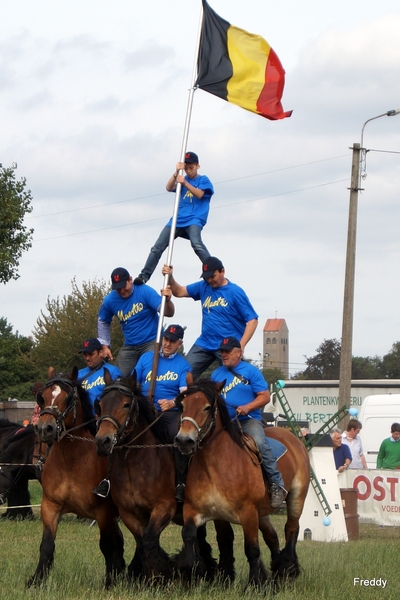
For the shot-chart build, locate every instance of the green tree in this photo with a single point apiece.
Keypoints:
(272, 375)
(15, 238)
(391, 363)
(325, 364)
(16, 377)
(61, 329)
(366, 367)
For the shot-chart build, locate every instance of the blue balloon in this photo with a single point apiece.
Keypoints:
(326, 521)
(280, 383)
(353, 411)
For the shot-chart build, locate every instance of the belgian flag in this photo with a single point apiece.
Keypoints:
(239, 67)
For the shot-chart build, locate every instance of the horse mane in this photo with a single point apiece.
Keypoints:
(209, 387)
(6, 423)
(87, 410)
(21, 433)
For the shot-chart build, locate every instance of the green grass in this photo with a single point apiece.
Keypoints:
(328, 568)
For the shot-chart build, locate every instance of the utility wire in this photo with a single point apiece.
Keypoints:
(70, 210)
(212, 208)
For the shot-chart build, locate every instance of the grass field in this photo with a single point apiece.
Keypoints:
(328, 569)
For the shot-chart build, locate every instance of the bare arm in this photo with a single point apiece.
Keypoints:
(364, 461)
(179, 291)
(250, 328)
(169, 305)
(259, 401)
(171, 183)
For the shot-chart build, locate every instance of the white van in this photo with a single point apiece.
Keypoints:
(377, 414)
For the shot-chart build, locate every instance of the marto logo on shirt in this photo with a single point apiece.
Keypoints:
(219, 302)
(235, 381)
(136, 308)
(168, 376)
(88, 386)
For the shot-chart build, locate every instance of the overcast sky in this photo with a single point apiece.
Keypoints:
(93, 98)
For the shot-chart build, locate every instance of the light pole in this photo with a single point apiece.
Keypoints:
(348, 301)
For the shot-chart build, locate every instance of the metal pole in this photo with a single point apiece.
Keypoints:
(175, 213)
(348, 302)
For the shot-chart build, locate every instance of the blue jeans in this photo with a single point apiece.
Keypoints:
(192, 232)
(199, 359)
(255, 429)
(129, 355)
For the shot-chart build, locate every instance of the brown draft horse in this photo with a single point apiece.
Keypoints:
(142, 478)
(225, 482)
(71, 470)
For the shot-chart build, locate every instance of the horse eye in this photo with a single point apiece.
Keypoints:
(127, 405)
(207, 408)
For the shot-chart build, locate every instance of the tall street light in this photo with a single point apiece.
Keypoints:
(348, 302)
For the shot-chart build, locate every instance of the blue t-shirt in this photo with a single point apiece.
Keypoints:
(226, 311)
(236, 392)
(340, 454)
(171, 375)
(92, 380)
(193, 211)
(137, 314)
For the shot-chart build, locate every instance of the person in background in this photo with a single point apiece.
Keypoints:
(389, 451)
(37, 387)
(351, 438)
(341, 452)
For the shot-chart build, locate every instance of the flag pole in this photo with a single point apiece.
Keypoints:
(175, 211)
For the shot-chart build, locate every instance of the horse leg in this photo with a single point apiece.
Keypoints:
(258, 574)
(136, 566)
(50, 516)
(188, 562)
(270, 536)
(112, 547)
(157, 562)
(286, 565)
(225, 539)
(205, 552)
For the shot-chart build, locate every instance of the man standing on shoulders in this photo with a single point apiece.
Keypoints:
(194, 205)
(174, 374)
(245, 393)
(389, 452)
(91, 377)
(351, 439)
(226, 311)
(136, 308)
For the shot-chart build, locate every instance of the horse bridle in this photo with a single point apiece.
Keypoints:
(54, 411)
(208, 425)
(133, 412)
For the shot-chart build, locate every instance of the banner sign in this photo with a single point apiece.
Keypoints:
(378, 494)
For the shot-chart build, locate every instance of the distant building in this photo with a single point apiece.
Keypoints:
(276, 346)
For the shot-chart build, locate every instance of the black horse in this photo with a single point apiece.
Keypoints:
(16, 453)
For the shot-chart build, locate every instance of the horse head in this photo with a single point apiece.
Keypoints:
(198, 405)
(58, 403)
(117, 410)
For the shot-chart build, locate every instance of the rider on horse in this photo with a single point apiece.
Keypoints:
(174, 374)
(245, 392)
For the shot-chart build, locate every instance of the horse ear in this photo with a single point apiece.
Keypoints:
(132, 379)
(220, 385)
(107, 376)
(51, 373)
(73, 376)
